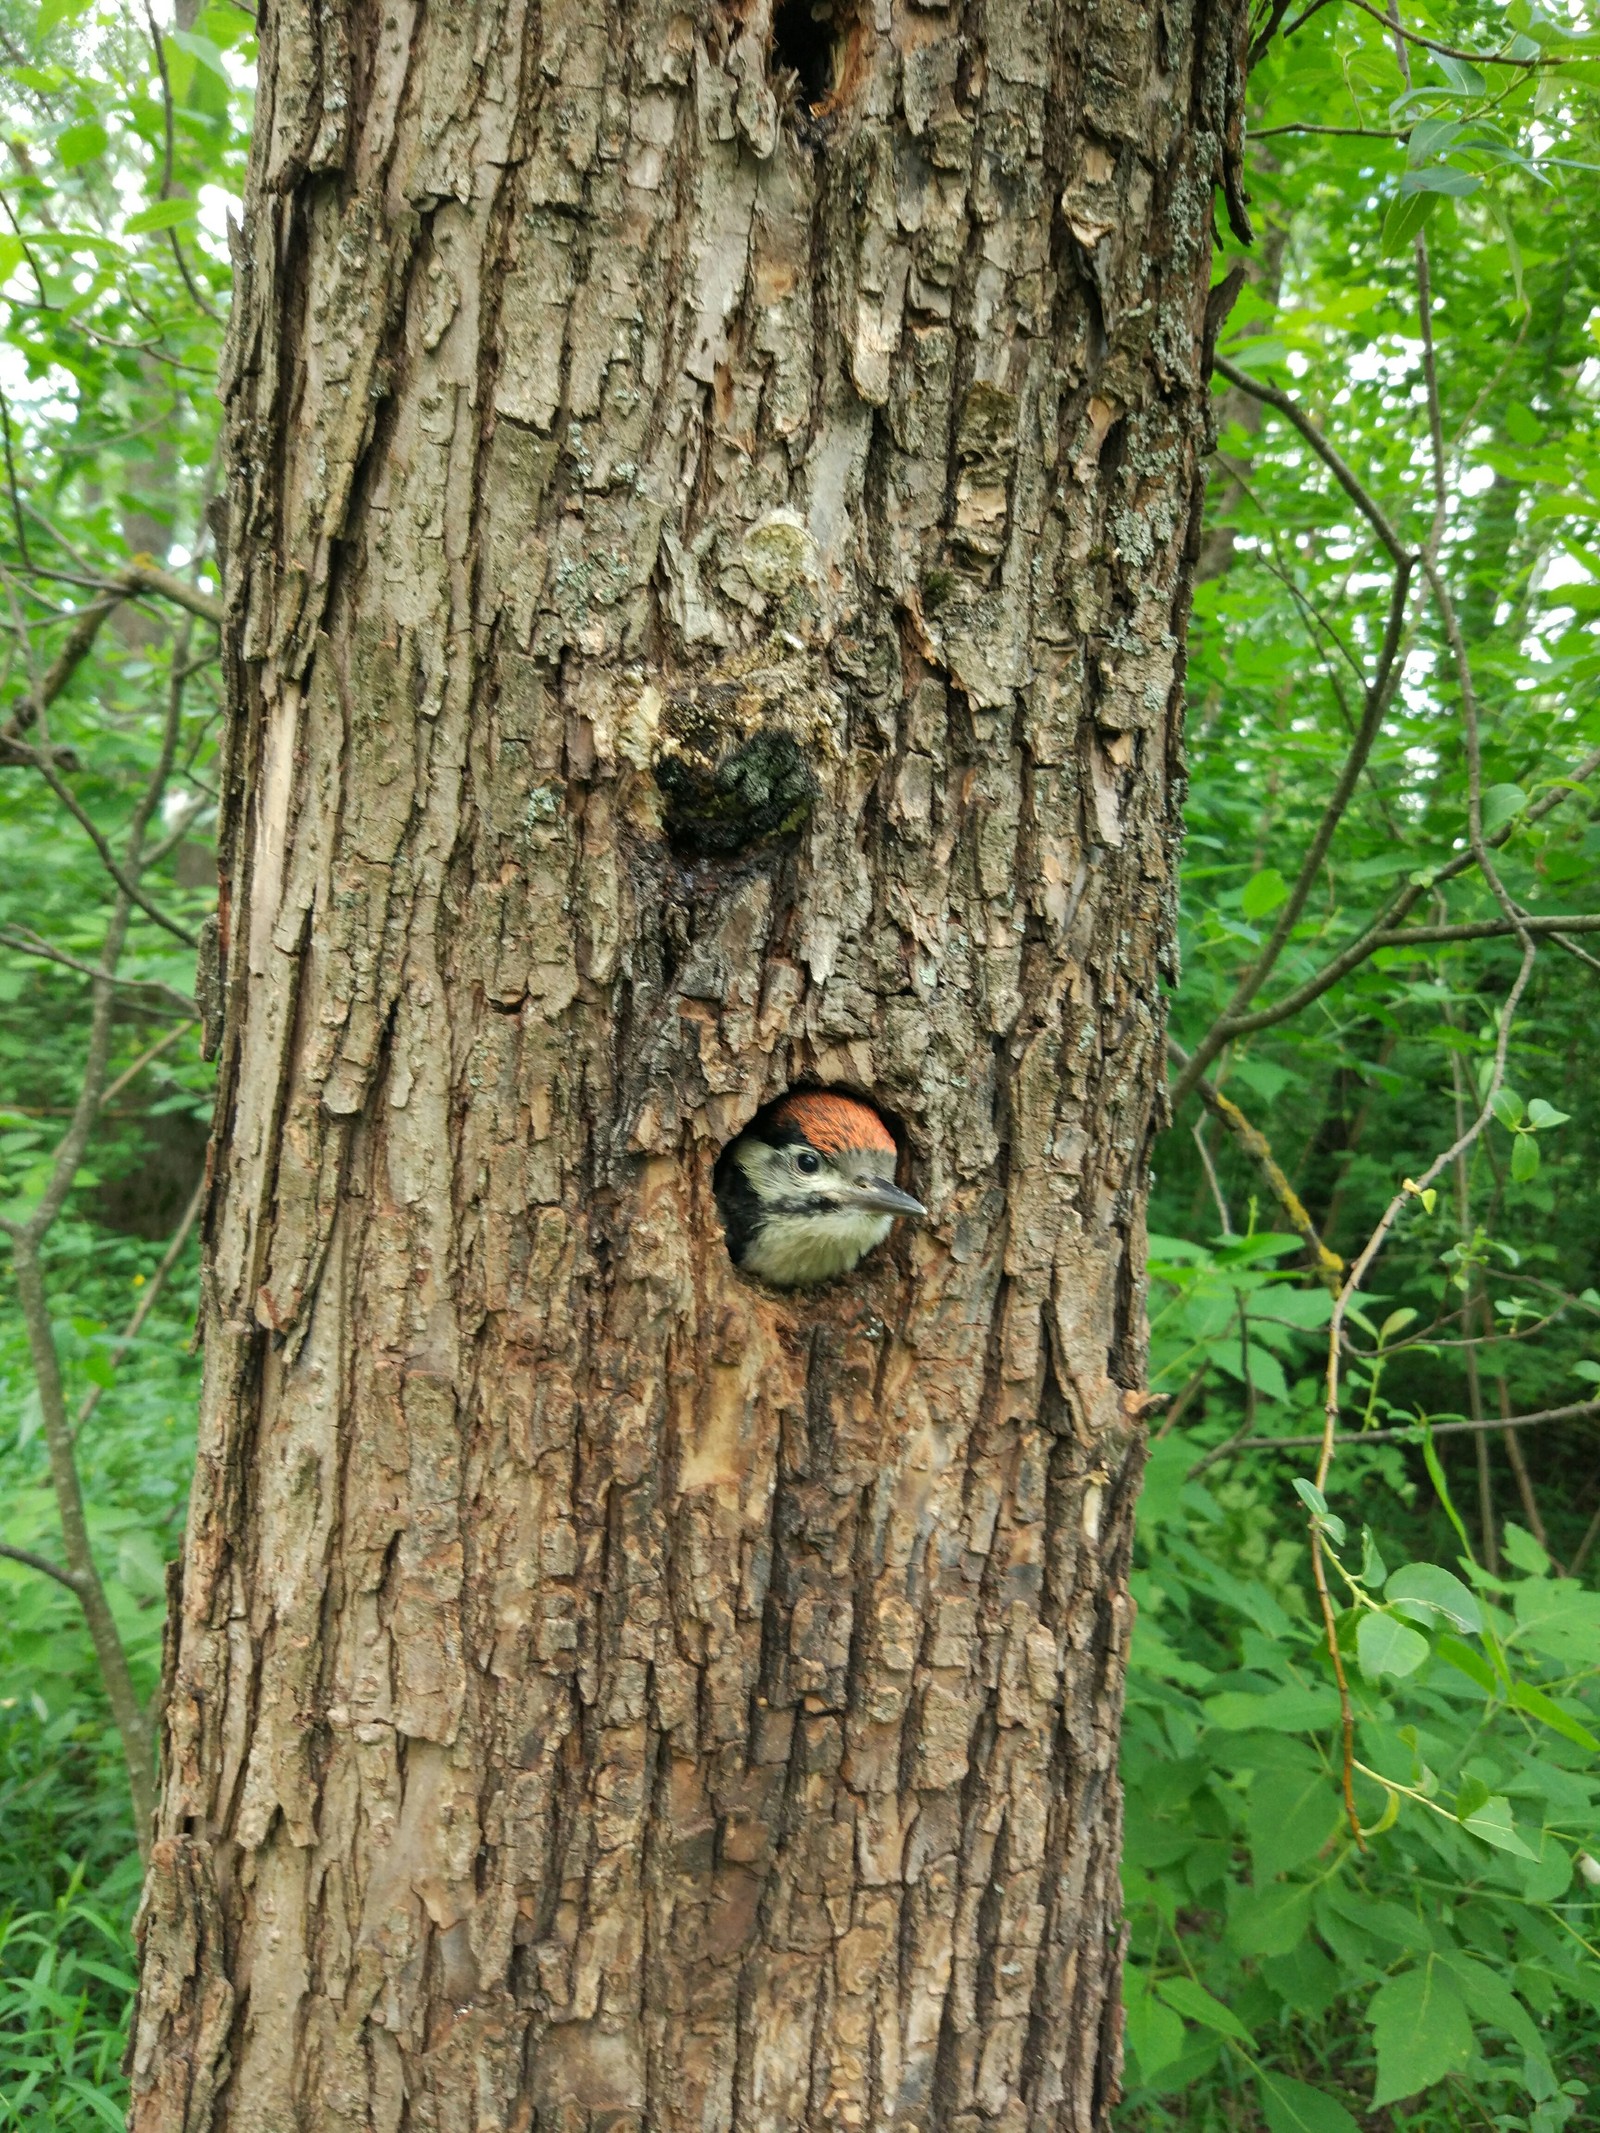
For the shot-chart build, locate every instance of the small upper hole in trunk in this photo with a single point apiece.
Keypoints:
(804, 36)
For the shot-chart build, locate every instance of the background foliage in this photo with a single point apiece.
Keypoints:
(1436, 1966)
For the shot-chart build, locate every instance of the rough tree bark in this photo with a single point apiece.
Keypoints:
(708, 565)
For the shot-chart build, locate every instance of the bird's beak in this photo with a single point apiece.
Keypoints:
(886, 1199)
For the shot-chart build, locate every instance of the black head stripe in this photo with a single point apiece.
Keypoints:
(780, 1133)
(738, 1203)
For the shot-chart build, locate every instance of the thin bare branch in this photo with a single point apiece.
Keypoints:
(146, 1304)
(1357, 491)
(1488, 929)
(132, 1719)
(41, 761)
(1385, 930)
(159, 43)
(79, 643)
(1330, 1266)
(144, 576)
(42, 1562)
(1413, 1432)
(161, 996)
(1379, 691)
(145, 1058)
(1355, 133)
(1456, 51)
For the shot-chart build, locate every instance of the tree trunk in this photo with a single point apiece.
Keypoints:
(708, 564)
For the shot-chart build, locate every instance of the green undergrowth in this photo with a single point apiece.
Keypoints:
(1443, 1969)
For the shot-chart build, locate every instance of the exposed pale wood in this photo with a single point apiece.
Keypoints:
(606, 1695)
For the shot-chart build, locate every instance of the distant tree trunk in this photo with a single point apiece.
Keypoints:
(708, 564)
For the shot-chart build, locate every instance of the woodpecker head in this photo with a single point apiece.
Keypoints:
(809, 1190)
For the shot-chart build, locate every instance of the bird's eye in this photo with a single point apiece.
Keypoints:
(808, 1162)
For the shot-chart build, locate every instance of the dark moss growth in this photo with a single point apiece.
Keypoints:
(762, 788)
(937, 587)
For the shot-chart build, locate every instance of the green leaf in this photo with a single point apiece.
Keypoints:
(1524, 1158)
(1559, 1619)
(1296, 1710)
(165, 215)
(1467, 1661)
(1404, 223)
(1272, 1920)
(1292, 1814)
(1430, 138)
(1502, 804)
(1492, 1822)
(1311, 1496)
(1440, 178)
(1420, 2030)
(83, 143)
(1521, 1549)
(1542, 1116)
(1154, 2031)
(1506, 1105)
(1291, 2106)
(1263, 892)
(1474, 1793)
(1549, 1713)
(141, 1565)
(200, 49)
(1422, 1590)
(1464, 79)
(1387, 1646)
(1373, 1572)
(1491, 1999)
(1193, 2000)
(225, 25)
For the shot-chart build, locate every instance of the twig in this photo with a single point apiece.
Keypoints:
(1347, 1714)
(1475, 1315)
(1412, 1432)
(173, 1002)
(1371, 510)
(1264, 36)
(1305, 16)
(1329, 1265)
(1384, 930)
(1198, 1135)
(1341, 1306)
(133, 581)
(152, 1289)
(144, 576)
(166, 178)
(1379, 691)
(1180, 1405)
(1455, 51)
(1488, 929)
(108, 859)
(42, 1562)
(80, 641)
(131, 1718)
(146, 1058)
(1519, 1470)
(1354, 133)
(11, 483)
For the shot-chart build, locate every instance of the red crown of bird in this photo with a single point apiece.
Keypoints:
(831, 1123)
